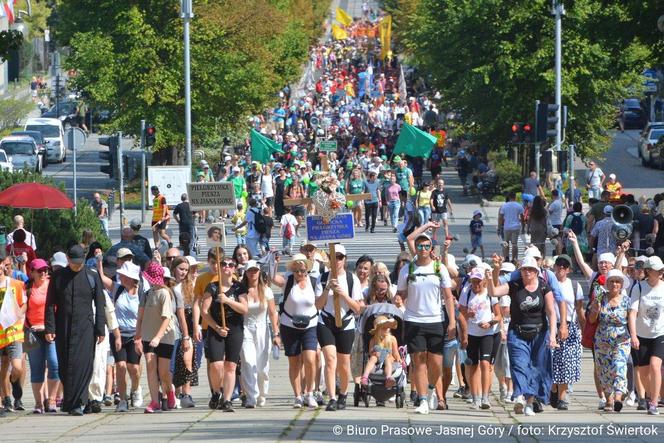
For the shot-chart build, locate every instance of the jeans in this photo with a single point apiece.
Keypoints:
(41, 357)
(240, 238)
(425, 213)
(287, 245)
(394, 206)
(104, 225)
(252, 245)
(370, 212)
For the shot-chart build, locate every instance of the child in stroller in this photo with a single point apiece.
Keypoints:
(384, 350)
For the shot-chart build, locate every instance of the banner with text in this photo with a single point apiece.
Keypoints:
(215, 195)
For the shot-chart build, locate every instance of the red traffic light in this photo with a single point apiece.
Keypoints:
(150, 130)
(527, 127)
(515, 128)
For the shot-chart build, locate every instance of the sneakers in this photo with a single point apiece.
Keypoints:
(486, 404)
(460, 392)
(503, 393)
(553, 400)
(319, 398)
(164, 404)
(214, 401)
(7, 404)
(508, 397)
(631, 399)
(76, 412)
(652, 409)
(187, 402)
(423, 408)
(95, 406)
(341, 402)
(563, 405)
(331, 405)
(601, 404)
(642, 405)
(116, 398)
(311, 401)
(171, 400)
(617, 406)
(298, 403)
(18, 405)
(227, 406)
(108, 401)
(122, 406)
(475, 405)
(537, 406)
(432, 399)
(261, 402)
(528, 410)
(152, 408)
(137, 398)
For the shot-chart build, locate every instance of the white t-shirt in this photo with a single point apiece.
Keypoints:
(649, 304)
(481, 305)
(29, 239)
(301, 302)
(556, 212)
(511, 212)
(424, 301)
(266, 186)
(328, 309)
(594, 178)
(287, 219)
(505, 302)
(572, 292)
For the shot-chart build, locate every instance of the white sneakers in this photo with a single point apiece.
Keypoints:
(137, 398)
(311, 400)
(432, 399)
(261, 402)
(423, 408)
(529, 410)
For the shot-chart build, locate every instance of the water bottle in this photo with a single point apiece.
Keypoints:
(275, 352)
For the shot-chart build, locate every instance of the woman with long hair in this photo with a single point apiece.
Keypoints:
(155, 337)
(537, 224)
(224, 342)
(183, 361)
(260, 324)
(241, 255)
(379, 290)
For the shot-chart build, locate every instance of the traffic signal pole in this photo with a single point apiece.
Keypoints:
(537, 146)
(143, 196)
(121, 180)
(186, 15)
(558, 11)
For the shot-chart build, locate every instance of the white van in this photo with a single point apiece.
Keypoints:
(54, 135)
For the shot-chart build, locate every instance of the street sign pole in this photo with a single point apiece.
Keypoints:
(143, 196)
(121, 179)
(559, 11)
(570, 160)
(75, 137)
(187, 14)
(70, 137)
(537, 147)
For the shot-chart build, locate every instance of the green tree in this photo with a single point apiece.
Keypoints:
(491, 59)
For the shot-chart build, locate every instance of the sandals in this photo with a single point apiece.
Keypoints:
(442, 405)
(389, 382)
(364, 380)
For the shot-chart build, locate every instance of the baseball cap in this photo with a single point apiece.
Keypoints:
(424, 236)
(236, 169)
(476, 273)
(252, 264)
(340, 249)
(192, 260)
(477, 212)
(507, 267)
(396, 159)
(124, 252)
(612, 176)
(59, 259)
(564, 257)
(135, 224)
(76, 255)
(654, 263)
(472, 260)
(38, 264)
(608, 210)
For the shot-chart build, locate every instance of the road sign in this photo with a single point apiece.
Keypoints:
(341, 227)
(328, 146)
(215, 195)
(171, 180)
(75, 137)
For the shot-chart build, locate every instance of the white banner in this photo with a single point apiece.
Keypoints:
(171, 180)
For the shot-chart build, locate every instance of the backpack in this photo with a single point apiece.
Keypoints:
(287, 290)
(259, 222)
(576, 224)
(349, 282)
(288, 231)
(437, 265)
(140, 291)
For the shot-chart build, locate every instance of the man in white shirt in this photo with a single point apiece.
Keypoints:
(510, 216)
(594, 181)
(19, 223)
(557, 217)
(423, 285)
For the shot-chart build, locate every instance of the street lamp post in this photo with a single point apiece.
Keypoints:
(187, 14)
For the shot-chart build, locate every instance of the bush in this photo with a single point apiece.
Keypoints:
(54, 229)
(509, 173)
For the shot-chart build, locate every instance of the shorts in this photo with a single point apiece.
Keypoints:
(297, 340)
(439, 216)
(424, 337)
(13, 350)
(449, 352)
(511, 236)
(648, 347)
(224, 348)
(160, 225)
(163, 350)
(482, 348)
(297, 211)
(475, 241)
(330, 335)
(128, 352)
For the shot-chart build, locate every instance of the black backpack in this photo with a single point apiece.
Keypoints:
(576, 224)
(259, 222)
(290, 281)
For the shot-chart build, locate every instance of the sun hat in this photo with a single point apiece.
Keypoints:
(130, 270)
(299, 258)
(529, 262)
(472, 258)
(396, 159)
(124, 252)
(607, 257)
(477, 212)
(383, 320)
(533, 251)
(192, 261)
(154, 273)
(654, 263)
(507, 267)
(616, 274)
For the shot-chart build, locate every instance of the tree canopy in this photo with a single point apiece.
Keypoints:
(128, 58)
(491, 59)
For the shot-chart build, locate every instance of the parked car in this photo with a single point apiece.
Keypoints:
(53, 132)
(633, 113)
(648, 151)
(22, 152)
(5, 164)
(65, 112)
(41, 144)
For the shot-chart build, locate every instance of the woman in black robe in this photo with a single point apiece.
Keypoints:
(75, 327)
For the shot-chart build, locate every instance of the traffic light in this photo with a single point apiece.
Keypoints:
(521, 133)
(112, 155)
(150, 134)
(545, 122)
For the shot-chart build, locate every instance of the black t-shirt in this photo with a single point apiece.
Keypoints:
(476, 227)
(183, 211)
(439, 201)
(233, 319)
(269, 224)
(527, 308)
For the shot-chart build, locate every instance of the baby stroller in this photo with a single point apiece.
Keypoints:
(376, 387)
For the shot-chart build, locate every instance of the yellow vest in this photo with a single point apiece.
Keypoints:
(15, 331)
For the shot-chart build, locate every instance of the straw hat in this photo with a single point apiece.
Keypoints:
(383, 320)
(300, 258)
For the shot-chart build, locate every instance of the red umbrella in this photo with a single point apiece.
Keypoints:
(35, 196)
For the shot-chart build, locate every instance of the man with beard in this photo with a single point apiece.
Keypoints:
(75, 328)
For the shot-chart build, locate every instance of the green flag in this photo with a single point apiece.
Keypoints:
(262, 147)
(414, 142)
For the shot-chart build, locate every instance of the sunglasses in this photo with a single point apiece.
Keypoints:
(340, 256)
(300, 271)
(227, 264)
(42, 271)
(424, 247)
(171, 258)
(562, 264)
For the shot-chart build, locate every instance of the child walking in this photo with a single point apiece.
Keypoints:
(384, 350)
(238, 219)
(288, 226)
(476, 227)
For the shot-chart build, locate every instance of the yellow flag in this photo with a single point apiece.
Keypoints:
(338, 33)
(385, 34)
(343, 17)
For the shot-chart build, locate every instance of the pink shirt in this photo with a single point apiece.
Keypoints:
(393, 192)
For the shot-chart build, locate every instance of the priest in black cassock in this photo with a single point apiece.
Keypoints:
(75, 327)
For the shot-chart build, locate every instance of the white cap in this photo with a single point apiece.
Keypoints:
(167, 273)
(59, 259)
(654, 263)
(533, 251)
(613, 274)
(613, 176)
(608, 257)
(124, 252)
(129, 269)
(472, 258)
(236, 169)
(251, 264)
(529, 262)
(192, 261)
(340, 249)
(507, 267)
